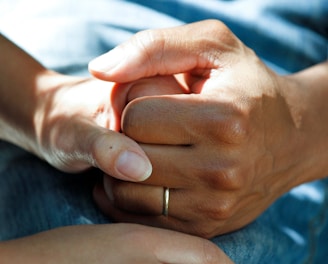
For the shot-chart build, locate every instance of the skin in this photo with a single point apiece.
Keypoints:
(72, 123)
(242, 137)
(57, 113)
(116, 243)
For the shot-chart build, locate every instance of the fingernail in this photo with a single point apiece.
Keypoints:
(108, 61)
(133, 166)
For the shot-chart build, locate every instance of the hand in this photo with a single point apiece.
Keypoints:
(115, 243)
(71, 122)
(79, 121)
(244, 137)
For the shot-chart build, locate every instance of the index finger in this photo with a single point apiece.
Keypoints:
(168, 119)
(165, 51)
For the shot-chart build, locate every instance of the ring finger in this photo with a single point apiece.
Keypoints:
(158, 220)
(148, 200)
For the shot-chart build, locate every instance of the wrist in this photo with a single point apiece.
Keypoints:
(21, 119)
(306, 94)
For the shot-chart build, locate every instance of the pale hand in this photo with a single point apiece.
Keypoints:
(71, 122)
(78, 125)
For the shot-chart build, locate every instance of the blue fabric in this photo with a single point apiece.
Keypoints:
(289, 35)
(36, 197)
(65, 35)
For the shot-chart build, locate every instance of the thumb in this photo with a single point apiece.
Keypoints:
(121, 157)
(163, 52)
(112, 152)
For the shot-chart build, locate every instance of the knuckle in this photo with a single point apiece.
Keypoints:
(226, 121)
(216, 25)
(237, 130)
(231, 179)
(222, 33)
(221, 210)
(216, 214)
(225, 179)
(232, 130)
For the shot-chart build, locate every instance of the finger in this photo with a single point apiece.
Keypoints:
(174, 166)
(182, 204)
(187, 206)
(165, 119)
(173, 247)
(110, 151)
(141, 199)
(134, 198)
(184, 119)
(123, 93)
(165, 52)
(159, 85)
(192, 250)
(190, 211)
(118, 215)
(115, 153)
(114, 243)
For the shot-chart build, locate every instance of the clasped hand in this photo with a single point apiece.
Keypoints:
(226, 150)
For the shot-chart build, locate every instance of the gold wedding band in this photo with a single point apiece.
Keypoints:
(166, 198)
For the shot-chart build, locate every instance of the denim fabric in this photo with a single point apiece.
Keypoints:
(35, 197)
(66, 34)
